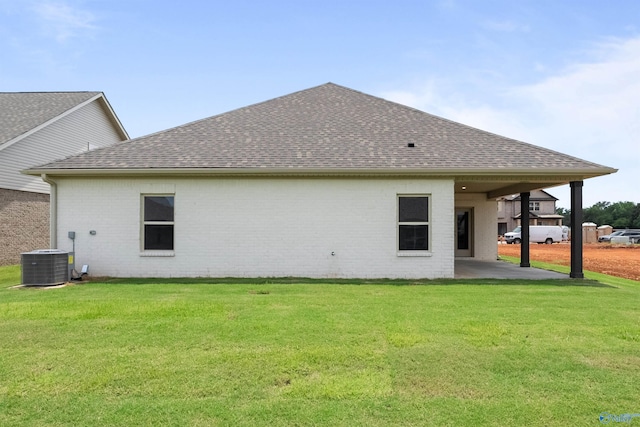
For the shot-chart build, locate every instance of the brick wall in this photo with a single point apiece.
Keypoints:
(484, 224)
(24, 224)
(256, 227)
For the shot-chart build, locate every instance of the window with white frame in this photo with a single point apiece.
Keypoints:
(534, 206)
(413, 223)
(157, 222)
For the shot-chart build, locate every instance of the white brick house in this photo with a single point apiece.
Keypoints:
(35, 128)
(326, 182)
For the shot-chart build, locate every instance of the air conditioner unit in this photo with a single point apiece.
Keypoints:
(45, 267)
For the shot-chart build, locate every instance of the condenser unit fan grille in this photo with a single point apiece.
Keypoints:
(45, 267)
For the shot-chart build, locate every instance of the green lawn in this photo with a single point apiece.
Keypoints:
(142, 352)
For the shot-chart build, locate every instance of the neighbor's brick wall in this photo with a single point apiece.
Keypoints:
(257, 227)
(24, 224)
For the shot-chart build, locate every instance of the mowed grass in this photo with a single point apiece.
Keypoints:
(145, 352)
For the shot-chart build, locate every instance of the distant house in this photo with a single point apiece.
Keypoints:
(542, 211)
(37, 128)
(325, 182)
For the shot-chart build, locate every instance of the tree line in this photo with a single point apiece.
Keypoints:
(618, 214)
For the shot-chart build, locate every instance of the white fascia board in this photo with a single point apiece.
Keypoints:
(114, 116)
(445, 173)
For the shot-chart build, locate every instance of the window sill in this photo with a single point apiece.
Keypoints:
(157, 254)
(415, 253)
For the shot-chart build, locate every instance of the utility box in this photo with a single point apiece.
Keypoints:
(604, 230)
(589, 234)
(45, 267)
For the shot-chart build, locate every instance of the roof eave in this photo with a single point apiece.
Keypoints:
(579, 173)
(113, 117)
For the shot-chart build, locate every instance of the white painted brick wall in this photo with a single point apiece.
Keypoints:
(256, 227)
(485, 224)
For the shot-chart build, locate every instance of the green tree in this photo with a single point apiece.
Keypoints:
(598, 213)
(566, 216)
(635, 216)
(622, 214)
(618, 214)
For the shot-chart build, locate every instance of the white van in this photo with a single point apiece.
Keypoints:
(537, 234)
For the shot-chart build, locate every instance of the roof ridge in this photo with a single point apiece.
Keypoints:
(226, 112)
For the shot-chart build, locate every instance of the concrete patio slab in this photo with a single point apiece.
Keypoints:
(474, 269)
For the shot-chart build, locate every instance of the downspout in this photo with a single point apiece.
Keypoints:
(53, 211)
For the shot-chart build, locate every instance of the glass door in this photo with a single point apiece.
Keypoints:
(464, 232)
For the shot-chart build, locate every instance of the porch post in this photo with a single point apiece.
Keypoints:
(524, 233)
(576, 230)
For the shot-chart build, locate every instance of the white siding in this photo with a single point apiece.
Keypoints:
(485, 219)
(251, 227)
(86, 127)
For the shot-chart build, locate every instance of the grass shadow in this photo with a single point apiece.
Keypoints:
(356, 282)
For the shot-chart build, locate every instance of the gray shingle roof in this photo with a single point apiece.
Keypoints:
(21, 112)
(325, 127)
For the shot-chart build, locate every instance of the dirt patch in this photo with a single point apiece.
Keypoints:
(614, 260)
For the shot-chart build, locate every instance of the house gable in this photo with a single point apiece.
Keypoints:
(41, 127)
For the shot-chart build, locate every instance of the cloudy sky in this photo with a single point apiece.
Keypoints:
(560, 74)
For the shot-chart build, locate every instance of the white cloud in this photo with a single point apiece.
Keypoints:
(423, 97)
(589, 110)
(597, 98)
(63, 20)
(429, 97)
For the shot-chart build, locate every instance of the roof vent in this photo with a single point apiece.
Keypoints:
(411, 145)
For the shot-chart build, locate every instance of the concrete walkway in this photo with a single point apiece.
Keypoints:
(473, 269)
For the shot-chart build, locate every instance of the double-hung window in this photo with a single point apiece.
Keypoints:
(413, 223)
(158, 222)
(534, 206)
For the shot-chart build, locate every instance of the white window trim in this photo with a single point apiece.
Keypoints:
(156, 252)
(414, 253)
(418, 253)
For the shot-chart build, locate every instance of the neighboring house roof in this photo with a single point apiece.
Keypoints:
(536, 195)
(334, 129)
(39, 127)
(541, 216)
(25, 112)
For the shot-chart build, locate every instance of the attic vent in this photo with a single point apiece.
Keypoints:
(411, 145)
(45, 267)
